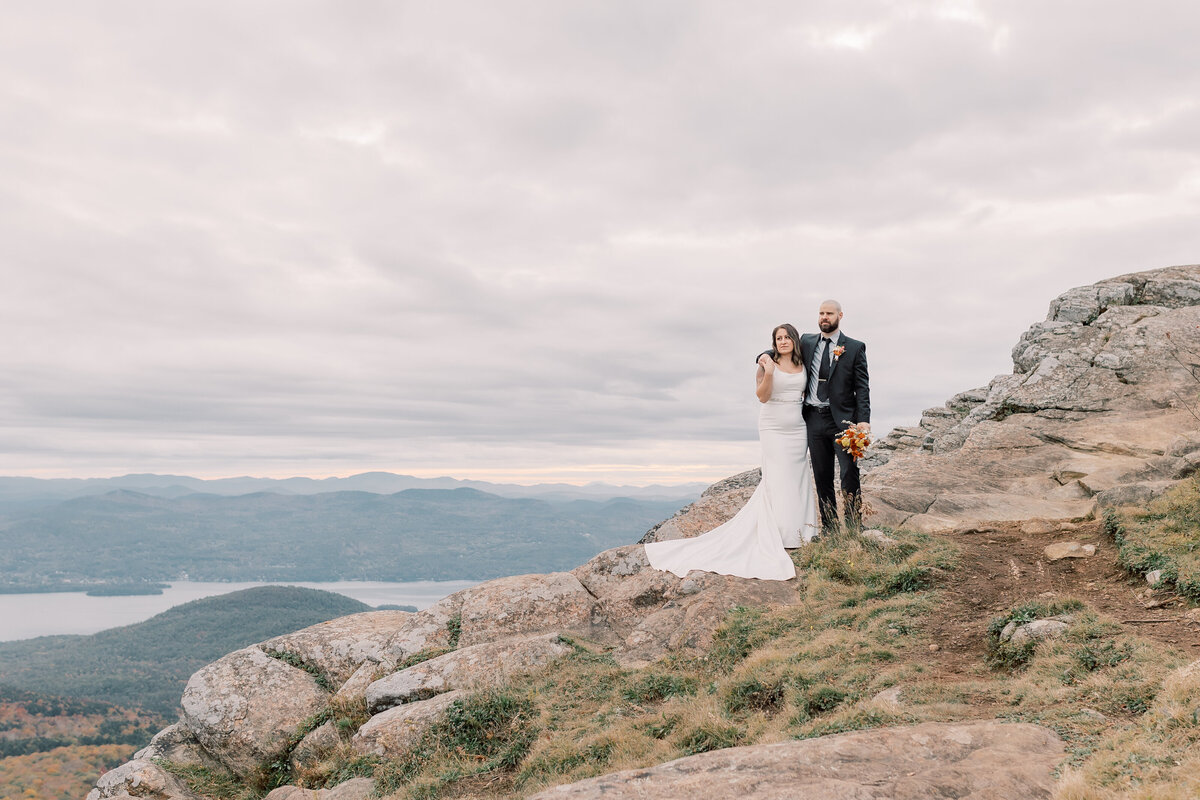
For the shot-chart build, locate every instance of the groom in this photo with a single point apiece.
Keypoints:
(838, 394)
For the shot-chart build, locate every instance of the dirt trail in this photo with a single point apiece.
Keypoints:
(1002, 567)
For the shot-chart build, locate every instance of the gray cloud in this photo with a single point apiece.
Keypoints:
(543, 240)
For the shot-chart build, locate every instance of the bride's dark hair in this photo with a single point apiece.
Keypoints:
(794, 335)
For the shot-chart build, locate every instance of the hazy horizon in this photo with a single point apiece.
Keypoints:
(283, 477)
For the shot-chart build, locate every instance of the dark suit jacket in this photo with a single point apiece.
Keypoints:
(849, 384)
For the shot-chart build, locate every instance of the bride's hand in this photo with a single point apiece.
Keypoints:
(766, 363)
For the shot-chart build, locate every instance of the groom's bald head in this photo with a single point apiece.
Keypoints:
(829, 316)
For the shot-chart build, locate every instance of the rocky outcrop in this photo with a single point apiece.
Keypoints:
(243, 708)
(980, 760)
(1095, 413)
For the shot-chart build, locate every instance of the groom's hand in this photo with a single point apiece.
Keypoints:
(865, 427)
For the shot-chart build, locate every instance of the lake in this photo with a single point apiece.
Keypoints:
(23, 616)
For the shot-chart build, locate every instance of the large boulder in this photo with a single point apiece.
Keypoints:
(480, 666)
(1091, 415)
(244, 707)
(977, 760)
(523, 605)
(339, 646)
(395, 731)
(143, 779)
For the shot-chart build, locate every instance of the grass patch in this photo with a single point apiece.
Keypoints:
(209, 783)
(753, 694)
(564, 760)
(1164, 535)
(743, 630)
(708, 737)
(910, 565)
(487, 733)
(655, 687)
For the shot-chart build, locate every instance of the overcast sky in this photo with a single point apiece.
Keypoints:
(534, 241)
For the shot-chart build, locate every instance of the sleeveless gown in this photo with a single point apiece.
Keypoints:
(781, 513)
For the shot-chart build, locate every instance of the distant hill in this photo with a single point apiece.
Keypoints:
(147, 665)
(23, 492)
(417, 534)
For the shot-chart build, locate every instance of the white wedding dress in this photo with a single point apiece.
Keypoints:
(781, 513)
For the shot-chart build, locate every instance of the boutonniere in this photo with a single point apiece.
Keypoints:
(837, 352)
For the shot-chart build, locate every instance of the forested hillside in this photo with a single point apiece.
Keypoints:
(413, 535)
(147, 665)
(54, 748)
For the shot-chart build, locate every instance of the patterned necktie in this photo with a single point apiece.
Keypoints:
(823, 373)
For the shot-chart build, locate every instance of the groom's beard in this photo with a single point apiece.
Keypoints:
(827, 327)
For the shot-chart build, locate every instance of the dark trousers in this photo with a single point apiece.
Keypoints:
(823, 449)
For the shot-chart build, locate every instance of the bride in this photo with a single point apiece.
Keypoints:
(782, 512)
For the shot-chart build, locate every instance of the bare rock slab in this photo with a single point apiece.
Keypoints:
(973, 761)
(353, 789)
(424, 630)
(338, 647)
(395, 731)
(523, 605)
(472, 667)
(140, 778)
(243, 707)
(1061, 550)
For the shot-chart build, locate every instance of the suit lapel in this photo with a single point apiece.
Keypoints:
(806, 349)
(833, 362)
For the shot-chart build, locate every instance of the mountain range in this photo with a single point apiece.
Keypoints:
(25, 492)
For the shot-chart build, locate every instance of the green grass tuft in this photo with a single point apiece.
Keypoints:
(654, 687)
(710, 736)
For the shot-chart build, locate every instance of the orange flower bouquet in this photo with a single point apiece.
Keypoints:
(854, 441)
